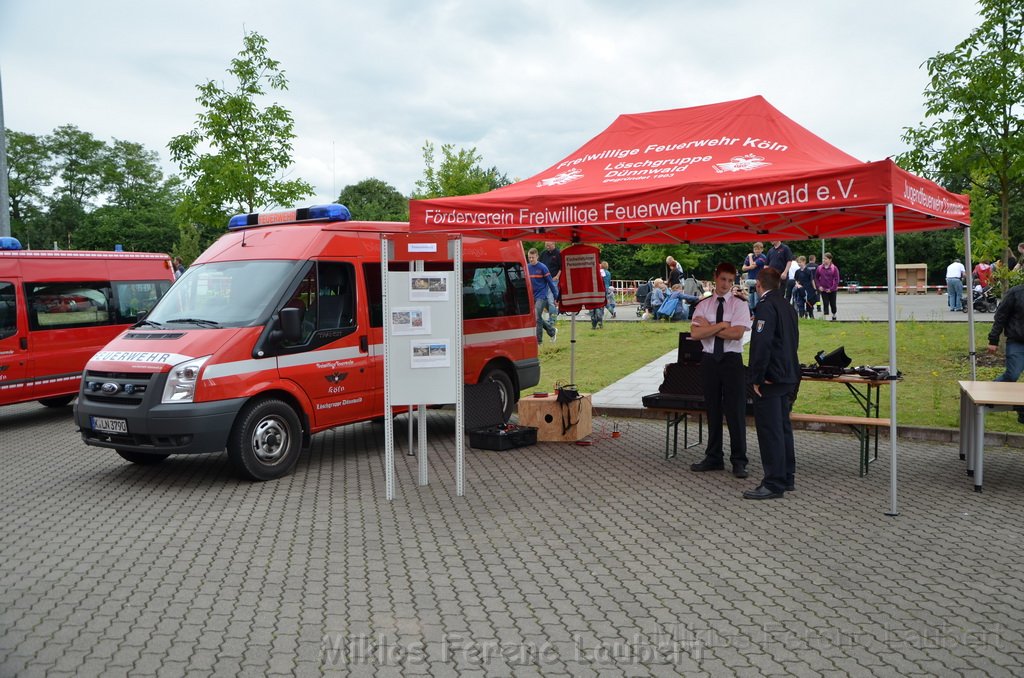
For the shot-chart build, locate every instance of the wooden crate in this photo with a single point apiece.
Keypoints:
(547, 415)
(911, 278)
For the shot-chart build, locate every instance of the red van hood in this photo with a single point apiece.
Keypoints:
(159, 350)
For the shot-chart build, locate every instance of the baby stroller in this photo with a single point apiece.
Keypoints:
(982, 299)
(643, 298)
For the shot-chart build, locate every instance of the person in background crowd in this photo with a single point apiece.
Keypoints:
(178, 267)
(1009, 319)
(544, 289)
(752, 265)
(609, 292)
(1013, 262)
(812, 294)
(774, 374)
(656, 299)
(804, 280)
(983, 272)
(684, 302)
(789, 282)
(675, 271)
(551, 257)
(779, 257)
(719, 322)
(955, 275)
(826, 279)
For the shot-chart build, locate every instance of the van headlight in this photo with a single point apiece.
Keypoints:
(181, 381)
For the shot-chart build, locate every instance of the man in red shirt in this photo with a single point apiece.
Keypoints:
(983, 272)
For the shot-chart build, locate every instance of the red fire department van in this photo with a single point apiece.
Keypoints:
(276, 333)
(57, 308)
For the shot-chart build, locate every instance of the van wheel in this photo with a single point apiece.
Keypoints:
(142, 458)
(266, 440)
(57, 401)
(507, 390)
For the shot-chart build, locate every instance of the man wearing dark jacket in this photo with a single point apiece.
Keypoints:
(774, 373)
(1009, 318)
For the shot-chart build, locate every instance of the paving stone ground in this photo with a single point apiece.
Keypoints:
(560, 560)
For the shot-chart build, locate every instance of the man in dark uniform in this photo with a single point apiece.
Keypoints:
(779, 257)
(774, 373)
(1009, 318)
(551, 257)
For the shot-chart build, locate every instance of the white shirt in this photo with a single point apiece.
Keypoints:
(955, 270)
(737, 312)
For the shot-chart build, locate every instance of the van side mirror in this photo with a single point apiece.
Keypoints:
(289, 320)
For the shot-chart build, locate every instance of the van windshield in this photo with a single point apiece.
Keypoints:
(225, 294)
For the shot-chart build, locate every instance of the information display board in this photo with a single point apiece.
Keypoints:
(422, 341)
(422, 330)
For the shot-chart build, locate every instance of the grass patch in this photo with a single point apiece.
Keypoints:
(932, 356)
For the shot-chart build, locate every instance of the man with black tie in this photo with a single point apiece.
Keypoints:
(719, 322)
(774, 374)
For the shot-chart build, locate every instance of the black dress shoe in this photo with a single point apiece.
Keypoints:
(762, 492)
(740, 470)
(790, 488)
(708, 465)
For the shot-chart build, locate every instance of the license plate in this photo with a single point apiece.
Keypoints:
(108, 425)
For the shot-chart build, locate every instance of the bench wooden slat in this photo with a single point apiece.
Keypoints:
(838, 419)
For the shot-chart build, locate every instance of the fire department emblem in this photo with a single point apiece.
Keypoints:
(336, 377)
(741, 163)
(563, 178)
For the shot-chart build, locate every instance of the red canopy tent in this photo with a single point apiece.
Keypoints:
(736, 171)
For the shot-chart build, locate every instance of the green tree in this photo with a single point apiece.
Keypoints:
(975, 103)
(375, 200)
(236, 157)
(131, 174)
(79, 160)
(986, 242)
(459, 173)
(29, 172)
(187, 248)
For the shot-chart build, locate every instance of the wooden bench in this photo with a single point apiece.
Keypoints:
(859, 426)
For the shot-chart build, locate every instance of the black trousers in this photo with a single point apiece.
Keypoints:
(725, 393)
(828, 300)
(775, 435)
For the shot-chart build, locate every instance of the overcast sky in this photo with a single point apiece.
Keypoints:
(526, 83)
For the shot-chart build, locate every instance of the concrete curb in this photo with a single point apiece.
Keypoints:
(938, 435)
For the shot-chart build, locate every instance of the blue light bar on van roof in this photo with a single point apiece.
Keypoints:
(331, 212)
(9, 243)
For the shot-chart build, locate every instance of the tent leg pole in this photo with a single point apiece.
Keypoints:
(572, 349)
(890, 274)
(972, 347)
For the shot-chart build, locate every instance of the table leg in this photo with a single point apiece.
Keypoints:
(979, 447)
(668, 427)
(878, 399)
(675, 435)
(965, 418)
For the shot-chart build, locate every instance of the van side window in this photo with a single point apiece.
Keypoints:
(374, 294)
(336, 296)
(519, 284)
(134, 298)
(68, 304)
(8, 310)
(326, 297)
(493, 290)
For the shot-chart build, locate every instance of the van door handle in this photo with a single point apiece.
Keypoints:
(364, 344)
(23, 342)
